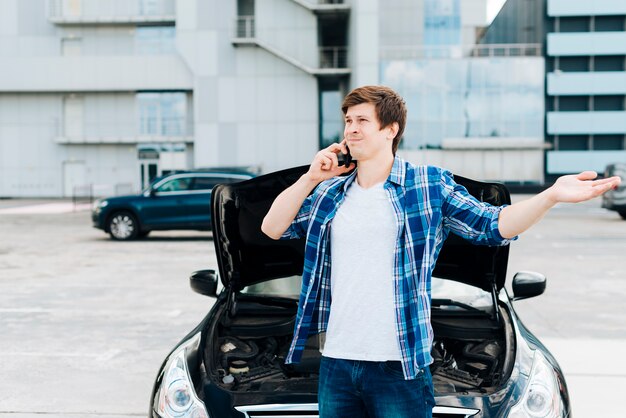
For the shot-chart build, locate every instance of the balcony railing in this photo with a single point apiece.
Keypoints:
(506, 50)
(332, 60)
(111, 11)
(334, 57)
(244, 27)
(461, 51)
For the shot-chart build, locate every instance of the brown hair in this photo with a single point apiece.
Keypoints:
(390, 107)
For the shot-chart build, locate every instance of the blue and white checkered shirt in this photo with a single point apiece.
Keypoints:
(427, 204)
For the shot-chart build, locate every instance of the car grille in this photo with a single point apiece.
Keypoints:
(310, 411)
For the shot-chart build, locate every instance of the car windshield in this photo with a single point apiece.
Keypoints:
(443, 291)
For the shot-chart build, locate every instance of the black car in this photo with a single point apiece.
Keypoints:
(179, 200)
(616, 199)
(486, 363)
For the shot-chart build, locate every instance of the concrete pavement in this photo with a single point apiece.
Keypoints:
(86, 321)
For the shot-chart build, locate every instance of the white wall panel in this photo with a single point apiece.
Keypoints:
(364, 33)
(571, 123)
(588, 43)
(586, 7)
(70, 74)
(8, 18)
(586, 83)
(561, 162)
(288, 27)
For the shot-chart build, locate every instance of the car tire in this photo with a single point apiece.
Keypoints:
(123, 226)
(622, 213)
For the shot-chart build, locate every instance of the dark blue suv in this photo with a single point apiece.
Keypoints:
(180, 200)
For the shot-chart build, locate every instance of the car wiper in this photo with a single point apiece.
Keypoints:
(438, 303)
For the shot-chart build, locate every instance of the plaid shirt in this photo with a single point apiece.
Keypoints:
(428, 204)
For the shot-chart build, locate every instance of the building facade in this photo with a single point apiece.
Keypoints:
(586, 85)
(585, 63)
(105, 95)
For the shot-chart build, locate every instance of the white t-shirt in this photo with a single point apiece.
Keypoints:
(363, 236)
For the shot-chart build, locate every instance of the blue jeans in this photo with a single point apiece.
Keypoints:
(351, 388)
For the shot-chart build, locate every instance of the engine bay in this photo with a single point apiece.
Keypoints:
(465, 360)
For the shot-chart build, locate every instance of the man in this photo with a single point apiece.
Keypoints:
(385, 223)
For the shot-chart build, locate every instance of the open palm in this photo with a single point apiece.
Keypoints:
(580, 187)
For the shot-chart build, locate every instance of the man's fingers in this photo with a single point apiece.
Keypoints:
(611, 180)
(333, 158)
(587, 175)
(344, 146)
(326, 162)
(334, 147)
(338, 147)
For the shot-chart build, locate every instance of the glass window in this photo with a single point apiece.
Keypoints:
(574, 24)
(609, 23)
(468, 97)
(608, 63)
(245, 7)
(162, 114)
(573, 143)
(73, 118)
(442, 23)
(608, 103)
(331, 118)
(155, 40)
(573, 103)
(205, 183)
(151, 7)
(573, 63)
(175, 185)
(608, 142)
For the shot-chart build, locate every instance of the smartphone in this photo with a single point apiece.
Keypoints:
(345, 159)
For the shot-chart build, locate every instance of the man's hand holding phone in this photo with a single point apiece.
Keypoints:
(330, 162)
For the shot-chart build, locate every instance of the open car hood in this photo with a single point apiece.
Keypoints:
(247, 256)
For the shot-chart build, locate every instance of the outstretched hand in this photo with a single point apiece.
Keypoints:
(580, 187)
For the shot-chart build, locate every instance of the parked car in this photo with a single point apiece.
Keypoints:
(616, 199)
(486, 362)
(179, 200)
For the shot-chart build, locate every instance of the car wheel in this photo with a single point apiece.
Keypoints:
(123, 226)
(622, 213)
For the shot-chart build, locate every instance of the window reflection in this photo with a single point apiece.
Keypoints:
(155, 40)
(162, 114)
(468, 97)
(331, 118)
(175, 185)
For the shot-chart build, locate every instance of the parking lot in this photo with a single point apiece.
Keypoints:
(86, 321)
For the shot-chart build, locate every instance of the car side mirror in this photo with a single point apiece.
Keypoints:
(152, 193)
(204, 282)
(528, 284)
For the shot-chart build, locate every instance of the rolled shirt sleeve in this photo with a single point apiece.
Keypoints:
(468, 217)
(300, 223)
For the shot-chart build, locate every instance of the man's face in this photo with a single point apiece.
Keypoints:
(364, 136)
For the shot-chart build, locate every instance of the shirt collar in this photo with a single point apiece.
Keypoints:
(398, 171)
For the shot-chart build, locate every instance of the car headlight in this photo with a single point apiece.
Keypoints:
(176, 396)
(99, 204)
(542, 397)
